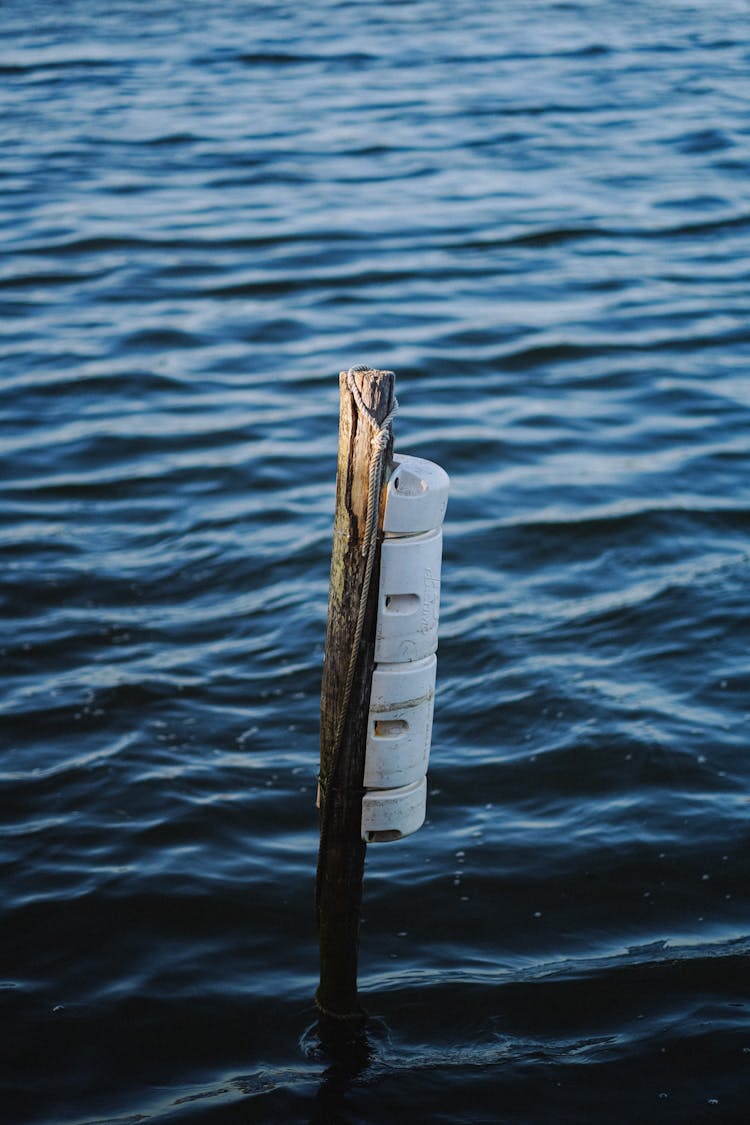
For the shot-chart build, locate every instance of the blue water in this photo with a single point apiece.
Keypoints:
(538, 215)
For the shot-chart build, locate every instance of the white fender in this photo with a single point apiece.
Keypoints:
(406, 635)
(390, 814)
(417, 496)
(409, 597)
(400, 726)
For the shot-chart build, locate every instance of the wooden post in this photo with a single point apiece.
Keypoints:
(343, 723)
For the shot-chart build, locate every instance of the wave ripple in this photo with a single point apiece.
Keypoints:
(537, 215)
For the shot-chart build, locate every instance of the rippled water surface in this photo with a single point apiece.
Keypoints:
(538, 215)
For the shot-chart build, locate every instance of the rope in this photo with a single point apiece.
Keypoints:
(381, 433)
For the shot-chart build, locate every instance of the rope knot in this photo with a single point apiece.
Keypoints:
(379, 441)
(379, 428)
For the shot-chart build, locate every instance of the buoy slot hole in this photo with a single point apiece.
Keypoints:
(390, 728)
(383, 836)
(402, 603)
(408, 484)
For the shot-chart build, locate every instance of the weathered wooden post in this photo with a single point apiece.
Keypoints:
(365, 449)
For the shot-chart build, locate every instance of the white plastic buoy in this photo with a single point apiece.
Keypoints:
(406, 634)
(400, 727)
(390, 814)
(416, 497)
(409, 597)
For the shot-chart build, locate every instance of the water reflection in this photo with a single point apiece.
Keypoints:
(347, 1050)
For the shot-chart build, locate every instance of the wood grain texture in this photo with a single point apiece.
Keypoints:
(342, 852)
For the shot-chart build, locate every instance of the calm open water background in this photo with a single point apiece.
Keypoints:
(538, 215)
